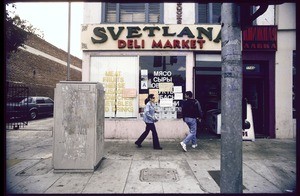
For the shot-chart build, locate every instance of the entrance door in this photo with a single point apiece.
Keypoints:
(208, 92)
(253, 91)
(207, 78)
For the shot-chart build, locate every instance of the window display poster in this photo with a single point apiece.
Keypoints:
(129, 92)
(165, 87)
(178, 96)
(144, 73)
(177, 89)
(166, 102)
(144, 84)
(142, 98)
(144, 79)
(116, 74)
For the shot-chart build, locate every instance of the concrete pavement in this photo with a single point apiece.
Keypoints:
(269, 166)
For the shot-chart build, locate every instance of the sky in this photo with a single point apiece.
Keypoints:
(52, 19)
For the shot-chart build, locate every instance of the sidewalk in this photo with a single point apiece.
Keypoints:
(269, 166)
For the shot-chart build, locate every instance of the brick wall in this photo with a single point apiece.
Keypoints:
(46, 47)
(39, 73)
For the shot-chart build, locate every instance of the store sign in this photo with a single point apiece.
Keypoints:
(260, 38)
(150, 37)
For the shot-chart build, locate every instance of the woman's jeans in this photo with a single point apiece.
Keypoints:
(192, 124)
(149, 126)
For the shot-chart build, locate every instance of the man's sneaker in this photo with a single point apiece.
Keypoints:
(183, 145)
(194, 145)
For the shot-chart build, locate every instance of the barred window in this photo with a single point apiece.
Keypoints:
(133, 13)
(208, 13)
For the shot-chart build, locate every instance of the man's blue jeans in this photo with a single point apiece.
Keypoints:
(192, 124)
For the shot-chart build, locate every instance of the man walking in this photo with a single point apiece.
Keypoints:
(191, 111)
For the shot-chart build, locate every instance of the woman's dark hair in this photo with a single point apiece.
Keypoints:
(150, 96)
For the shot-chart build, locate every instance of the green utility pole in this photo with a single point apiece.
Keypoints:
(231, 93)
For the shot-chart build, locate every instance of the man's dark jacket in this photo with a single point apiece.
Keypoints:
(191, 108)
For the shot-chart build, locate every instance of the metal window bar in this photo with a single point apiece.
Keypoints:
(16, 106)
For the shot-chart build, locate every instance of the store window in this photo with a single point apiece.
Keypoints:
(119, 78)
(208, 13)
(163, 76)
(133, 12)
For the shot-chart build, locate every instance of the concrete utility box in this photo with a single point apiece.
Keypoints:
(78, 126)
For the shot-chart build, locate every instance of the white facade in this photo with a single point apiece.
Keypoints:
(286, 21)
(284, 16)
(175, 128)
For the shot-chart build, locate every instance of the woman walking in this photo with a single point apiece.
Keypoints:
(149, 119)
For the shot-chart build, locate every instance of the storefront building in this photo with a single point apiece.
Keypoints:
(167, 49)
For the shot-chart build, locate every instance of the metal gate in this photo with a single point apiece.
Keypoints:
(16, 105)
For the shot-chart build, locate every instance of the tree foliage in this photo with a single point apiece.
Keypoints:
(17, 31)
